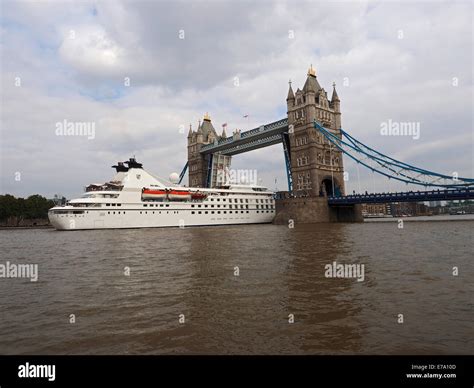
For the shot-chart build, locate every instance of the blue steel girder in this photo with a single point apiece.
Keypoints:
(183, 172)
(209, 171)
(286, 149)
(263, 136)
(411, 196)
(238, 148)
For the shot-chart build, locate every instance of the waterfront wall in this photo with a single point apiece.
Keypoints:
(313, 210)
(14, 221)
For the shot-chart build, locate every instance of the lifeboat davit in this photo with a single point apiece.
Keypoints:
(153, 194)
(179, 195)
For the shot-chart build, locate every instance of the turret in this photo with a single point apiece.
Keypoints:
(335, 101)
(336, 105)
(199, 135)
(290, 99)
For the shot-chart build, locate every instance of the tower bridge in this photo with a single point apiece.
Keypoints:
(313, 144)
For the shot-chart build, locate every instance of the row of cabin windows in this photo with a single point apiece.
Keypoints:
(230, 211)
(159, 212)
(212, 199)
(231, 206)
(174, 212)
(237, 200)
(241, 200)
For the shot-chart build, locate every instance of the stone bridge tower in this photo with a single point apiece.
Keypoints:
(198, 165)
(316, 164)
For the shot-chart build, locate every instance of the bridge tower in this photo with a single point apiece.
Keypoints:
(201, 167)
(316, 166)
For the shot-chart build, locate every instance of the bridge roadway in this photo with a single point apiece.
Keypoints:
(263, 136)
(409, 196)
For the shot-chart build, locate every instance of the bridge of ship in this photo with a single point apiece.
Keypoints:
(444, 187)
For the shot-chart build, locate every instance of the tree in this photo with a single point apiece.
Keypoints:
(35, 206)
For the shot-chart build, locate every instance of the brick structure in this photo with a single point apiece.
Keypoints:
(316, 165)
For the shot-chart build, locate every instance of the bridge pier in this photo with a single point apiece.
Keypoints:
(309, 210)
(349, 213)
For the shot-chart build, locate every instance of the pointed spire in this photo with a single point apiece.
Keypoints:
(291, 95)
(311, 84)
(224, 135)
(190, 133)
(335, 97)
(199, 130)
(207, 128)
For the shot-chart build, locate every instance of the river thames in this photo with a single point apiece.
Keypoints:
(257, 289)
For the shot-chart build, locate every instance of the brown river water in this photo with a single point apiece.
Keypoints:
(182, 295)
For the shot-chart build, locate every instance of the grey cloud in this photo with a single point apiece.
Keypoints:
(173, 82)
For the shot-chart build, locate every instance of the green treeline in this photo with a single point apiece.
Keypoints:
(35, 206)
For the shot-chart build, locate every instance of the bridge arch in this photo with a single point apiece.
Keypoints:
(330, 187)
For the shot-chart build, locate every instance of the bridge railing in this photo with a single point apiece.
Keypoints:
(413, 196)
(408, 196)
(289, 195)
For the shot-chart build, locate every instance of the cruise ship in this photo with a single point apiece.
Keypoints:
(135, 198)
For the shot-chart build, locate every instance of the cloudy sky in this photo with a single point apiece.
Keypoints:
(143, 70)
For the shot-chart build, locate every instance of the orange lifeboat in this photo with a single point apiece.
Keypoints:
(153, 194)
(179, 195)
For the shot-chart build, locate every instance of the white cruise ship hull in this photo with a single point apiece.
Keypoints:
(128, 201)
(154, 218)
